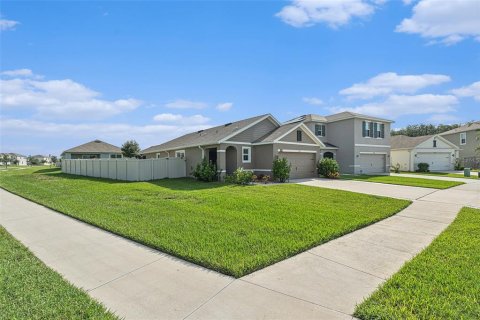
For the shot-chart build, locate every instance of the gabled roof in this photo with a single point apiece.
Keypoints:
(406, 142)
(209, 136)
(282, 131)
(467, 127)
(334, 117)
(95, 146)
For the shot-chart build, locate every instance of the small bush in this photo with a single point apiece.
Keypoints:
(241, 176)
(281, 170)
(265, 178)
(206, 171)
(458, 165)
(396, 168)
(423, 167)
(328, 168)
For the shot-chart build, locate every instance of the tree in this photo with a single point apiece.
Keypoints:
(6, 159)
(416, 130)
(130, 149)
(32, 161)
(53, 159)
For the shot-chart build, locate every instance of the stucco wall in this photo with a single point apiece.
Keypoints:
(468, 149)
(341, 133)
(256, 132)
(292, 137)
(401, 157)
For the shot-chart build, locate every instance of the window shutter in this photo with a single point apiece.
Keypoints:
(323, 130)
(364, 129)
(375, 130)
(370, 125)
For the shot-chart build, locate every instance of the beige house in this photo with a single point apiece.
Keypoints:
(435, 150)
(467, 138)
(95, 149)
(360, 143)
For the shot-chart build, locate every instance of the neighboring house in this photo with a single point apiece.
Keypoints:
(95, 149)
(21, 159)
(467, 139)
(45, 160)
(360, 143)
(435, 150)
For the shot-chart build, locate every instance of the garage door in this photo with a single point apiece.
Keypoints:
(438, 161)
(303, 164)
(371, 163)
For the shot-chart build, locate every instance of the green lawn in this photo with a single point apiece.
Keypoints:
(31, 290)
(442, 282)
(473, 175)
(404, 181)
(232, 229)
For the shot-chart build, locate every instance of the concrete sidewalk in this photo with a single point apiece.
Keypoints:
(407, 175)
(325, 282)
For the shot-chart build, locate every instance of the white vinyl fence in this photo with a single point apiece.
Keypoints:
(126, 169)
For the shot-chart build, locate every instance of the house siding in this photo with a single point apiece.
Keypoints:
(469, 149)
(259, 130)
(292, 137)
(341, 133)
(311, 126)
(263, 157)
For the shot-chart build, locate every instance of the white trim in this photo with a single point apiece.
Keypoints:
(237, 142)
(221, 151)
(179, 151)
(249, 155)
(355, 165)
(384, 153)
(249, 126)
(297, 143)
(463, 133)
(260, 169)
(371, 145)
(299, 151)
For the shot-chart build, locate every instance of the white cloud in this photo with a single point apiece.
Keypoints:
(334, 13)
(64, 99)
(20, 73)
(180, 119)
(400, 105)
(390, 82)
(313, 101)
(8, 24)
(185, 104)
(443, 119)
(446, 21)
(472, 90)
(224, 106)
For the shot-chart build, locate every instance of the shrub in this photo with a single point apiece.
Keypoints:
(396, 168)
(328, 168)
(265, 178)
(206, 171)
(241, 176)
(281, 170)
(458, 165)
(423, 167)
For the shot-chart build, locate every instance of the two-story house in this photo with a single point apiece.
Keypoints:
(467, 138)
(359, 143)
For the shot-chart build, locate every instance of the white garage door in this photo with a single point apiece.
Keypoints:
(303, 164)
(371, 163)
(438, 161)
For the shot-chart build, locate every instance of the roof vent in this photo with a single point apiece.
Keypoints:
(97, 141)
(227, 124)
(200, 131)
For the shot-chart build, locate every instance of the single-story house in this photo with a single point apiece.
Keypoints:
(361, 144)
(95, 149)
(467, 138)
(435, 150)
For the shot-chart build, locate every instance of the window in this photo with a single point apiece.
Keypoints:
(367, 131)
(373, 130)
(463, 138)
(434, 143)
(158, 155)
(246, 154)
(115, 156)
(299, 135)
(320, 130)
(180, 154)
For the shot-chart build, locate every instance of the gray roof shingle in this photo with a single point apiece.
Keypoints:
(464, 128)
(95, 146)
(406, 142)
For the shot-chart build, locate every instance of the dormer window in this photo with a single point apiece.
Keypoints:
(299, 135)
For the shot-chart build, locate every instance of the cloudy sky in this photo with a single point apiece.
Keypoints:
(153, 70)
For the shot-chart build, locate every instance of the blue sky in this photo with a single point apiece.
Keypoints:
(72, 72)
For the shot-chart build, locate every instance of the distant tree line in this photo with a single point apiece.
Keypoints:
(416, 130)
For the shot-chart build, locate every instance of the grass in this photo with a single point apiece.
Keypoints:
(31, 290)
(473, 175)
(442, 282)
(232, 229)
(404, 181)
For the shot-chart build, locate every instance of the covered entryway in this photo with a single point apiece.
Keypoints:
(231, 159)
(371, 164)
(302, 164)
(438, 161)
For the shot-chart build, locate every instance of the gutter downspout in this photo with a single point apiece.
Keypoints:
(203, 152)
